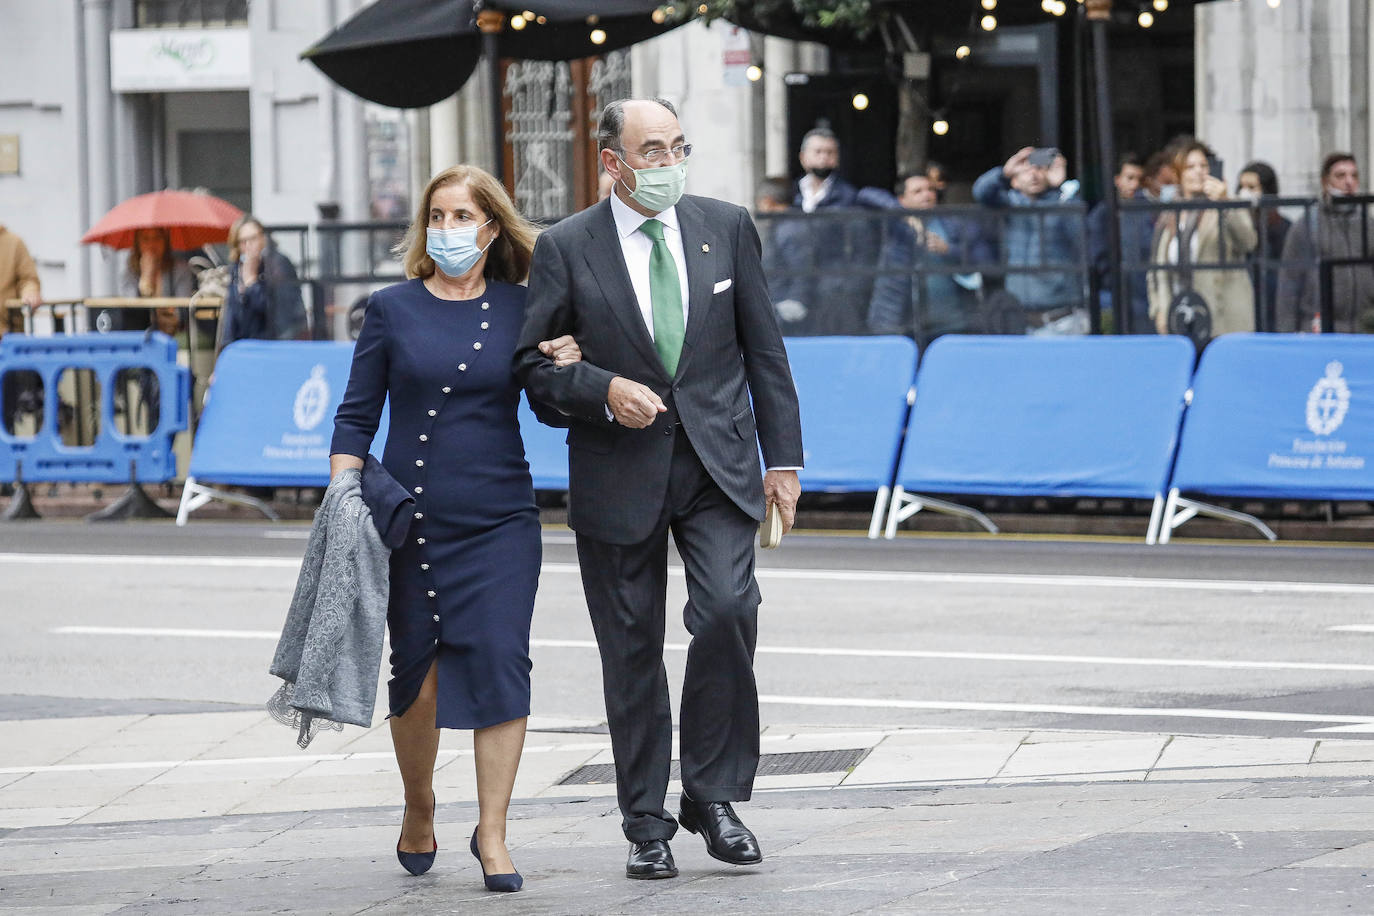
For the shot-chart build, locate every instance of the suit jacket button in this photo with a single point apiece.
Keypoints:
(668, 431)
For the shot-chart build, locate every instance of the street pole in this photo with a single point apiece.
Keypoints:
(1099, 13)
(490, 23)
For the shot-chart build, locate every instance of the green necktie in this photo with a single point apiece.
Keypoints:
(665, 297)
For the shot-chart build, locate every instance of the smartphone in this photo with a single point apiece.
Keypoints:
(1043, 156)
(1216, 167)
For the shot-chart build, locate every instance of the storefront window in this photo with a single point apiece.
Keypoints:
(191, 14)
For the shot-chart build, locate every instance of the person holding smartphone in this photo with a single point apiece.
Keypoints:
(1195, 250)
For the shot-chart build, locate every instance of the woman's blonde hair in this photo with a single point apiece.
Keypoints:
(237, 227)
(508, 258)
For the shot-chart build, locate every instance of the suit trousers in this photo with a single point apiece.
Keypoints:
(626, 589)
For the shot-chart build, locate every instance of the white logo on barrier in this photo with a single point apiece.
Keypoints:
(312, 399)
(1328, 401)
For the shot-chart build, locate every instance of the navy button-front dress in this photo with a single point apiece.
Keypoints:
(463, 585)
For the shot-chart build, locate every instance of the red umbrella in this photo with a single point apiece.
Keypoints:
(191, 218)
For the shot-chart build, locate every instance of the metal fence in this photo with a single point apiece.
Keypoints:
(1199, 268)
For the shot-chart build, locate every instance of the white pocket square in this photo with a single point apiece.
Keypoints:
(722, 286)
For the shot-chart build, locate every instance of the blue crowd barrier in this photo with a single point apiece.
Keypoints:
(1041, 416)
(546, 450)
(269, 419)
(854, 396)
(1276, 416)
(122, 365)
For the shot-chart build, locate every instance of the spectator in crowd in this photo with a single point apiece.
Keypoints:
(838, 251)
(1052, 301)
(821, 186)
(154, 271)
(1159, 180)
(1342, 229)
(1256, 181)
(786, 243)
(935, 171)
(263, 301)
(1186, 237)
(18, 280)
(1136, 228)
(916, 291)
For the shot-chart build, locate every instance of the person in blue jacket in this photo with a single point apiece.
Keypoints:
(1052, 300)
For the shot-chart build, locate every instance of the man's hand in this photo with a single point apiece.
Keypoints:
(632, 404)
(1017, 162)
(783, 488)
(564, 351)
(935, 244)
(30, 296)
(1214, 188)
(1058, 171)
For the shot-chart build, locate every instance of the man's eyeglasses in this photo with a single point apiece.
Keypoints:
(657, 156)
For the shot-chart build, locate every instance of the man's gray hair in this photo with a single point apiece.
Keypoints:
(612, 121)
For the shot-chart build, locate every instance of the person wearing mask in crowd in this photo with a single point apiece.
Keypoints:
(1341, 230)
(1135, 228)
(1159, 180)
(1256, 181)
(917, 292)
(263, 301)
(1051, 301)
(1186, 237)
(18, 280)
(154, 271)
(838, 251)
(821, 186)
(785, 239)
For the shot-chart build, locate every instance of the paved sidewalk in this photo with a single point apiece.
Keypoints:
(218, 812)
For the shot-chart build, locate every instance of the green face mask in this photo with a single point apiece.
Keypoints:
(658, 189)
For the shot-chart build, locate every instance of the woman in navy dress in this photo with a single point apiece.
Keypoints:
(462, 586)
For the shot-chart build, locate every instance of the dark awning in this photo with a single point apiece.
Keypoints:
(414, 53)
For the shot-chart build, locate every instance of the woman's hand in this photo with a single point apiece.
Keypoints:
(1214, 188)
(564, 351)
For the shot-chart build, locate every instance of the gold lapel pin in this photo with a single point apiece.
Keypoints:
(705, 247)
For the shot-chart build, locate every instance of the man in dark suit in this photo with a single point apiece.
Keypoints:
(666, 297)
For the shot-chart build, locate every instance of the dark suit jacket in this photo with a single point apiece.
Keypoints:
(732, 352)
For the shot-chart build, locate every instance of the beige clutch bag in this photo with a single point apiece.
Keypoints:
(770, 532)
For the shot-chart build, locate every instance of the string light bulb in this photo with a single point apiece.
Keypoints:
(860, 101)
(659, 16)
(598, 37)
(940, 126)
(988, 23)
(962, 51)
(517, 22)
(1274, 4)
(1161, 5)
(754, 73)
(989, 5)
(1146, 19)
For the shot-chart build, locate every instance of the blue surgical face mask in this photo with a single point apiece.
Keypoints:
(1168, 192)
(455, 250)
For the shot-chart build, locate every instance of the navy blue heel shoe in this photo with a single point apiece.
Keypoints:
(511, 882)
(417, 863)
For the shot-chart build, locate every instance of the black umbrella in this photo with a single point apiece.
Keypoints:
(414, 53)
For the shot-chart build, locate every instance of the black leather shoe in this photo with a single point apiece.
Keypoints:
(650, 860)
(727, 839)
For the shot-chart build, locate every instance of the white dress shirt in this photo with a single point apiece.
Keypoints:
(813, 190)
(637, 247)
